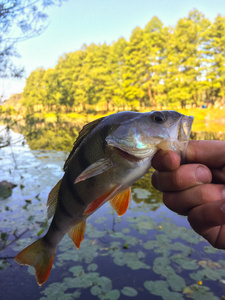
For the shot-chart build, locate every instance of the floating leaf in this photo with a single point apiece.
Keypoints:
(158, 287)
(93, 233)
(105, 283)
(146, 225)
(126, 230)
(202, 293)
(100, 220)
(210, 250)
(186, 250)
(116, 235)
(54, 290)
(185, 262)
(112, 295)
(131, 259)
(92, 267)
(96, 290)
(76, 295)
(129, 291)
(150, 245)
(176, 282)
(76, 270)
(206, 274)
(130, 240)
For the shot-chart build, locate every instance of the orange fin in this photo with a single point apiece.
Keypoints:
(98, 202)
(53, 199)
(76, 233)
(121, 201)
(40, 256)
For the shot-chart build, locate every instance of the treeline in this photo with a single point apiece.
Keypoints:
(158, 66)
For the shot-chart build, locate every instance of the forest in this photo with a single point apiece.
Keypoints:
(159, 66)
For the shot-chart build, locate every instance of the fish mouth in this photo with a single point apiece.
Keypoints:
(179, 138)
(184, 135)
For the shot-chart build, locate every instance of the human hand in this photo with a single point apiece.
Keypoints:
(197, 188)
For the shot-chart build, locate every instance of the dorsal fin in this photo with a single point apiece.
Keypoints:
(76, 233)
(82, 135)
(53, 199)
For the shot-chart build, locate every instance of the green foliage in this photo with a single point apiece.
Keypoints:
(19, 20)
(158, 66)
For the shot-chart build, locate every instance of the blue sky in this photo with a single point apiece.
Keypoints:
(85, 21)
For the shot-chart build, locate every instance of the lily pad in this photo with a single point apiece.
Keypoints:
(176, 282)
(92, 267)
(100, 220)
(160, 288)
(129, 291)
(185, 262)
(206, 274)
(76, 270)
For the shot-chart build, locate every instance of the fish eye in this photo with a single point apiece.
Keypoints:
(158, 117)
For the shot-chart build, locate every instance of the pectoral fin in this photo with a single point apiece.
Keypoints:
(96, 168)
(76, 233)
(121, 202)
(99, 202)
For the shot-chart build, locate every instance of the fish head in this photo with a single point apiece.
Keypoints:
(142, 136)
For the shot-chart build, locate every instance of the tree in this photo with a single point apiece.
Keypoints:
(19, 20)
(69, 70)
(34, 90)
(214, 47)
(155, 36)
(134, 69)
(116, 63)
(184, 59)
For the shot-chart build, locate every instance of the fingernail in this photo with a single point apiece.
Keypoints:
(202, 174)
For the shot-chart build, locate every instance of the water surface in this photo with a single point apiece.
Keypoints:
(149, 253)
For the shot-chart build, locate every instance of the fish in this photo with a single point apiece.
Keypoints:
(108, 156)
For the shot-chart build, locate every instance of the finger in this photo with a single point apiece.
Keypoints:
(184, 177)
(166, 160)
(182, 202)
(210, 153)
(208, 220)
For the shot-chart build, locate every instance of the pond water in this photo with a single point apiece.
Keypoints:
(149, 253)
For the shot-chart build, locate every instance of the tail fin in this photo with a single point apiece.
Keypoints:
(40, 256)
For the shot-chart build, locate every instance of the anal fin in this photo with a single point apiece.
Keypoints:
(76, 233)
(121, 201)
(99, 201)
